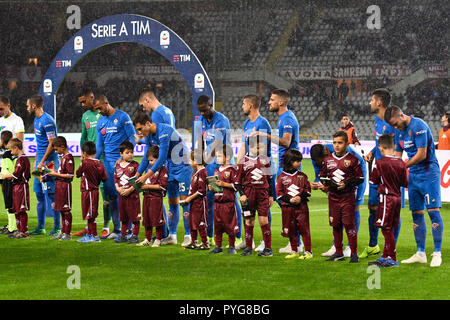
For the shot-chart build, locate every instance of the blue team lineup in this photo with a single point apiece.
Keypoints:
(219, 194)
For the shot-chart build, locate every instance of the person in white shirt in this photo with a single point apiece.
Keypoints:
(9, 120)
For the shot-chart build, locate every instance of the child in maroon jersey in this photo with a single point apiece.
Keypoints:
(344, 174)
(92, 172)
(21, 194)
(389, 173)
(63, 186)
(153, 207)
(254, 183)
(129, 202)
(293, 189)
(198, 215)
(225, 220)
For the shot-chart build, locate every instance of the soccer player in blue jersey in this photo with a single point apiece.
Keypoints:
(318, 154)
(255, 122)
(113, 128)
(45, 131)
(424, 187)
(162, 114)
(288, 136)
(211, 132)
(381, 98)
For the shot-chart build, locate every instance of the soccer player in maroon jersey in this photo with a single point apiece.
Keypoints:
(21, 193)
(152, 206)
(225, 220)
(63, 186)
(254, 183)
(293, 190)
(389, 173)
(129, 202)
(91, 172)
(340, 174)
(198, 215)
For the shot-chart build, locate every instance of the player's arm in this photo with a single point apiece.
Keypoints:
(284, 141)
(144, 162)
(129, 130)
(420, 155)
(100, 145)
(163, 153)
(83, 137)
(20, 129)
(47, 154)
(54, 173)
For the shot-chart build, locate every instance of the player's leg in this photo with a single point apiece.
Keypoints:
(111, 192)
(249, 226)
(262, 206)
(50, 211)
(106, 213)
(210, 229)
(40, 208)
(373, 247)
(302, 222)
(184, 186)
(173, 215)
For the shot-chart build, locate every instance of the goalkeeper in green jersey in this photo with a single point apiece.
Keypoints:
(8, 162)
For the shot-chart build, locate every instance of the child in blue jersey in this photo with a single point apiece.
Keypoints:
(424, 189)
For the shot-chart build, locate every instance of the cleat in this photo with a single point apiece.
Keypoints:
(416, 258)
(267, 252)
(171, 239)
(389, 263)
(241, 245)
(247, 252)
(347, 252)
(113, 235)
(292, 255)
(156, 243)
(191, 246)
(37, 232)
(14, 234)
(186, 240)
(211, 241)
(104, 234)
(85, 238)
(305, 256)
(65, 237)
(336, 257)
(231, 250)
(436, 260)
(330, 252)
(145, 243)
(216, 249)
(121, 239)
(354, 258)
(58, 236)
(377, 262)
(54, 232)
(370, 251)
(202, 247)
(80, 233)
(95, 239)
(261, 246)
(287, 249)
(133, 239)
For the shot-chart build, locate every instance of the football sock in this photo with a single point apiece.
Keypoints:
(203, 236)
(136, 227)
(420, 230)
(306, 236)
(148, 233)
(357, 220)
(337, 237)
(63, 222)
(249, 236)
(373, 231)
(166, 225)
(68, 222)
(397, 229)
(231, 240)
(174, 217)
(17, 222)
(267, 236)
(437, 229)
(218, 239)
(50, 211)
(210, 227)
(294, 243)
(159, 232)
(114, 209)
(12, 222)
(352, 236)
(239, 217)
(299, 239)
(106, 214)
(40, 208)
(389, 244)
(124, 229)
(92, 227)
(193, 235)
(187, 228)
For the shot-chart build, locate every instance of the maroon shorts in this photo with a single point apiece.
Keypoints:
(63, 196)
(152, 212)
(259, 201)
(21, 198)
(130, 207)
(293, 218)
(342, 211)
(89, 204)
(388, 212)
(225, 219)
(198, 214)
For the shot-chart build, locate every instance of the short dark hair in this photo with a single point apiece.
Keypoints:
(254, 99)
(386, 141)
(290, 157)
(447, 114)
(197, 156)
(5, 136)
(86, 91)
(4, 100)
(125, 145)
(203, 99)
(145, 92)
(281, 93)
(317, 152)
(153, 151)
(89, 148)
(227, 151)
(384, 95)
(391, 112)
(101, 98)
(16, 142)
(341, 134)
(59, 141)
(141, 118)
(37, 100)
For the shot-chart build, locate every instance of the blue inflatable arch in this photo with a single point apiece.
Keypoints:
(126, 28)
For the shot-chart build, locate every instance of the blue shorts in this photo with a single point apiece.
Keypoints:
(179, 182)
(108, 186)
(373, 195)
(424, 191)
(48, 186)
(360, 193)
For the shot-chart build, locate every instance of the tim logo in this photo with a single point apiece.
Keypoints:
(48, 87)
(199, 82)
(164, 39)
(63, 63)
(181, 57)
(78, 44)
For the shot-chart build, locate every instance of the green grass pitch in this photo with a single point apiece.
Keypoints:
(36, 268)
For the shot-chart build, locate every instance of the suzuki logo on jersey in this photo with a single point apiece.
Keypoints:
(48, 87)
(63, 63)
(78, 44)
(199, 82)
(164, 39)
(257, 174)
(338, 175)
(293, 190)
(181, 57)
